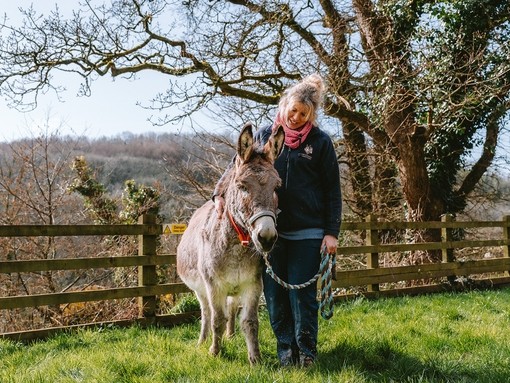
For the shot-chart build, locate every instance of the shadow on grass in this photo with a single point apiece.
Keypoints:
(380, 361)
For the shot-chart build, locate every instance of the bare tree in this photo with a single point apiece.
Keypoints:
(34, 174)
(36, 180)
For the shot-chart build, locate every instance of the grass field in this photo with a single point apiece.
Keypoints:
(461, 337)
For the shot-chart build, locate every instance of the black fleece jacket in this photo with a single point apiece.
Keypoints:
(310, 195)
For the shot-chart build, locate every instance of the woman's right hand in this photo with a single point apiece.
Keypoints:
(219, 205)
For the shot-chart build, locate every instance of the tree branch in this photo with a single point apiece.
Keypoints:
(488, 152)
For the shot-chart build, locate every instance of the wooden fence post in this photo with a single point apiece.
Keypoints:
(147, 245)
(372, 239)
(506, 237)
(446, 236)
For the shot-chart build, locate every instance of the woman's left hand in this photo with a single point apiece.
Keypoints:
(330, 242)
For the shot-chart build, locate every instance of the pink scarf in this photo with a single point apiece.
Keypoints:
(293, 137)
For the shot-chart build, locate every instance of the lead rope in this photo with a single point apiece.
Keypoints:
(327, 265)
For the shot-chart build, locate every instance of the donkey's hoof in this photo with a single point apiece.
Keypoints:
(214, 350)
(254, 359)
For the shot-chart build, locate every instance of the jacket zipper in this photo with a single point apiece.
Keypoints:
(287, 168)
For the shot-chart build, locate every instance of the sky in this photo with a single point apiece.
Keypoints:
(111, 109)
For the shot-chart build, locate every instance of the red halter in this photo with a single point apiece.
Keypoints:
(241, 234)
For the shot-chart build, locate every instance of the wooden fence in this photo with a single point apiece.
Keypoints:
(486, 272)
(370, 280)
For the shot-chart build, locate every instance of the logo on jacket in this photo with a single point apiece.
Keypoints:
(308, 149)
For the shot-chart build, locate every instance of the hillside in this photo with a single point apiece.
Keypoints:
(182, 167)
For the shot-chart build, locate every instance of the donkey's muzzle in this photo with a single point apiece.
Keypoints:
(265, 231)
(267, 241)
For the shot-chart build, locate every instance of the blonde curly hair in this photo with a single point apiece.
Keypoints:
(309, 91)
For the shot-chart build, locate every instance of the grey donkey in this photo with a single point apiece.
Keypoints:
(213, 262)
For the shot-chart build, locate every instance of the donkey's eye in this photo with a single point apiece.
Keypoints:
(242, 188)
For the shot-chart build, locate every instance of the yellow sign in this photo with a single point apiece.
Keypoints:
(174, 228)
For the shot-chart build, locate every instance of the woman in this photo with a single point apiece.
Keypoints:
(310, 207)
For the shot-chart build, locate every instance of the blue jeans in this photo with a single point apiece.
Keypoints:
(294, 313)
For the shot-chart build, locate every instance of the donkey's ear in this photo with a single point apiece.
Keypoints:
(245, 142)
(275, 143)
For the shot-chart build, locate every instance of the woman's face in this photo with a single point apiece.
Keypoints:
(297, 114)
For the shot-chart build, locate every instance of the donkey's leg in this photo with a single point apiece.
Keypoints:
(218, 305)
(232, 307)
(250, 322)
(205, 320)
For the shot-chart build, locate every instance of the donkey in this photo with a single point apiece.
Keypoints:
(212, 259)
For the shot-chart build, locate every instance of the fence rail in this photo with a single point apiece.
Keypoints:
(374, 275)
(369, 279)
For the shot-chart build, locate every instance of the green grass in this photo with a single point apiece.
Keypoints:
(439, 338)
